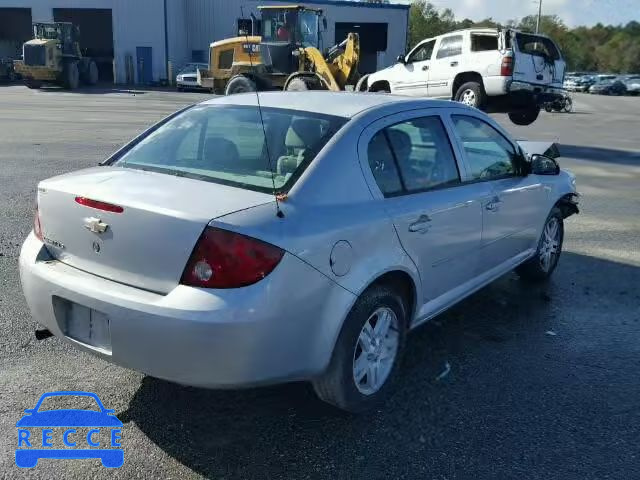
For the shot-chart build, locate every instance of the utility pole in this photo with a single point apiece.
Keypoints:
(539, 16)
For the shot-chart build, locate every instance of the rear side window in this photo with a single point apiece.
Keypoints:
(226, 144)
(484, 43)
(412, 157)
(450, 46)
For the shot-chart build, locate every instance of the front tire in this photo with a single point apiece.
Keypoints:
(367, 354)
(540, 267)
(471, 94)
(524, 117)
(240, 84)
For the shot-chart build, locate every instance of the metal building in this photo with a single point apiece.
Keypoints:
(135, 39)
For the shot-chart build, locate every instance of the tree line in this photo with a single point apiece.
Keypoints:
(601, 48)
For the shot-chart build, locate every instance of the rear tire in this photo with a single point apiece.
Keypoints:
(471, 94)
(71, 76)
(376, 366)
(540, 267)
(524, 117)
(240, 84)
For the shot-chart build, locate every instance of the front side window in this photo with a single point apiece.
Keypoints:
(489, 154)
(416, 156)
(226, 144)
(450, 46)
(422, 53)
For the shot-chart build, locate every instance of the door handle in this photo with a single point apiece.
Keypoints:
(421, 225)
(454, 64)
(425, 67)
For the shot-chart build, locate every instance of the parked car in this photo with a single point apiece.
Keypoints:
(187, 78)
(579, 84)
(494, 70)
(608, 86)
(633, 85)
(387, 212)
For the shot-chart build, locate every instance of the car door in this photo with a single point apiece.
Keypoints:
(412, 77)
(537, 60)
(513, 209)
(445, 65)
(412, 170)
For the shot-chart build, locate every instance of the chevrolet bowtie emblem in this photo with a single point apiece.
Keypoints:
(94, 225)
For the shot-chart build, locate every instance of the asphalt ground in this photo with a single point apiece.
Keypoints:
(515, 382)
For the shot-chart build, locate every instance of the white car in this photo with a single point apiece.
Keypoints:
(201, 254)
(494, 70)
(187, 78)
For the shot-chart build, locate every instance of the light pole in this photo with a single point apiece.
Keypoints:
(539, 15)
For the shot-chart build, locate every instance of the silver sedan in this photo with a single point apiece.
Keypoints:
(230, 246)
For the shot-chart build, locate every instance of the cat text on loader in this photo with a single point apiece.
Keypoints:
(53, 56)
(286, 56)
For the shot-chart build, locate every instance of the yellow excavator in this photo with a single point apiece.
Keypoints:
(286, 56)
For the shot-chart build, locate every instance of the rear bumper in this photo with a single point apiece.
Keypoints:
(282, 328)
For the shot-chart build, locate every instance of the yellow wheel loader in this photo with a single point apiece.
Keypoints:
(53, 56)
(286, 56)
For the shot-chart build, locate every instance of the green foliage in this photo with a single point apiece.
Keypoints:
(600, 48)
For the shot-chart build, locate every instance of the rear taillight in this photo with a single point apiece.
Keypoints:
(223, 259)
(37, 226)
(506, 68)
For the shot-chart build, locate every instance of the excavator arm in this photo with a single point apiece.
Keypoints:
(339, 69)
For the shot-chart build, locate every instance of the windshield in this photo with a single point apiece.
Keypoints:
(226, 144)
(191, 68)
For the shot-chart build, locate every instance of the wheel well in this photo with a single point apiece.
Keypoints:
(567, 205)
(402, 283)
(380, 85)
(463, 78)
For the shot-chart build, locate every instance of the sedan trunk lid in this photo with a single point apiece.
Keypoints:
(149, 242)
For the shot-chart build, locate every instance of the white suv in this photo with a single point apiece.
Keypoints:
(494, 70)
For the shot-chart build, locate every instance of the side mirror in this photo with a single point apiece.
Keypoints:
(324, 23)
(401, 59)
(543, 165)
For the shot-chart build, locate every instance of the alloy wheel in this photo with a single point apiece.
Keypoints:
(469, 98)
(550, 243)
(375, 351)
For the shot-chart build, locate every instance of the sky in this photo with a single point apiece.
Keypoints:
(573, 12)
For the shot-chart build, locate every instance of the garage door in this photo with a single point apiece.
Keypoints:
(15, 29)
(96, 34)
(373, 39)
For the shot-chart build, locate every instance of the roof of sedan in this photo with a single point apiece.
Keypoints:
(342, 104)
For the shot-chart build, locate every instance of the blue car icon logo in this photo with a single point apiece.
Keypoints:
(69, 433)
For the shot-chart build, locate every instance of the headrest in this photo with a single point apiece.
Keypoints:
(303, 133)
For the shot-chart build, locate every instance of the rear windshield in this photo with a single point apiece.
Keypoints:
(226, 144)
(536, 45)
